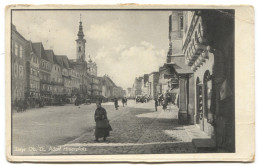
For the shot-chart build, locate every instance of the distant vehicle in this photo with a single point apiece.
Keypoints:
(57, 102)
(138, 98)
(81, 100)
(147, 98)
(141, 99)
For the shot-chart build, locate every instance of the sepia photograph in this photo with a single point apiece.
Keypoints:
(100, 81)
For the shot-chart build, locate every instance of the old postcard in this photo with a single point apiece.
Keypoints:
(129, 83)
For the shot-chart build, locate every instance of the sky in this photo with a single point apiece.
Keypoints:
(124, 43)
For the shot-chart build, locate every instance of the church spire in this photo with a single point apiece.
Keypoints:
(80, 33)
(80, 42)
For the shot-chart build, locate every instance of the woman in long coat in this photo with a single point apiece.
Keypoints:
(102, 124)
(165, 103)
(116, 103)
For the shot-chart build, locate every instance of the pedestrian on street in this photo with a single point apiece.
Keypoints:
(116, 103)
(155, 104)
(123, 102)
(165, 104)
(160, 98)
(20, 105)
(25, 104)
(102, 123)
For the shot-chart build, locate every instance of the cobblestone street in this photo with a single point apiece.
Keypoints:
(137, 129)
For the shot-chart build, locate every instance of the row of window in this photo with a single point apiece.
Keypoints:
(35, 59)
(45, 77)
(55, 89)
(18, 92)
(17, 49)
(76, 74)
(75, 82)
(35, 85)
(46, 87)
(18, 71)
(45, 65)
(59, 80)
(56, 68)
(34, 72)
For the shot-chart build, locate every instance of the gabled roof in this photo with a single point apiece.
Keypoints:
(39, 50)
(50, 55)
(31, 50)
(59, 60)
(109, 79)
(65, 60)
(13, 27)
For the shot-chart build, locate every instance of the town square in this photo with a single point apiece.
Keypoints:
(122, 81)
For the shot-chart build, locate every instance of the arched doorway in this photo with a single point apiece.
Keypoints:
(207, 82)
(203, 98)
(199, 99)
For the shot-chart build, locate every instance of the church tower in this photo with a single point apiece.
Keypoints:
(80, 44)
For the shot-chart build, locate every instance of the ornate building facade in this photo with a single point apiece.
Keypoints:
(208, 45)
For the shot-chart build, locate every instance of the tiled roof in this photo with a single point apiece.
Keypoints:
(59, 60)
(39, 50)
(109, 79)
(66, 62)
(55, 60)
(14, 29)
(31, 49)
(50, 55)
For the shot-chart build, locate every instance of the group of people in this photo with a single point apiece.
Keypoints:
(22, 105)
(164, 101)
(124, 102)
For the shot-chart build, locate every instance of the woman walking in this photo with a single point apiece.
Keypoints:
(123, 101)
(102, 124)
(116, 103)
(165, 103)
(155, 103)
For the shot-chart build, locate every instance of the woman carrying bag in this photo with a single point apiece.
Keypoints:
(102, 124)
